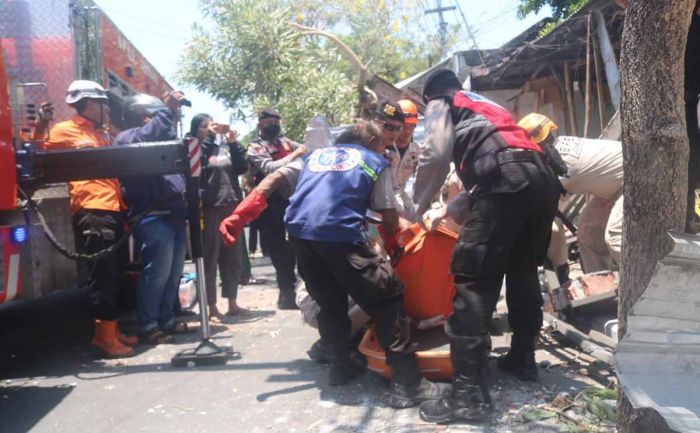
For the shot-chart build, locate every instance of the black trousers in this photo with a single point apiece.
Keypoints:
(253, 238)
(332, 271)
(505, 234)
(274, 237)
(96, 230)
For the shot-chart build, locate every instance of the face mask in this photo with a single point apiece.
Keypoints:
(271, 131)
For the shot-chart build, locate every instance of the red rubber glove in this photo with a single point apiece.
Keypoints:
(246, 211)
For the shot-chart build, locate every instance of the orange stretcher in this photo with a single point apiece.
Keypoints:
(424, 269)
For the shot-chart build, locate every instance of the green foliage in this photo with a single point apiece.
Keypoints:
(251, 57)
(561, 9)
(378, 31)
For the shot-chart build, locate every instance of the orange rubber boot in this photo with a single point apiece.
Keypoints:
(107, 340)
(127, 340)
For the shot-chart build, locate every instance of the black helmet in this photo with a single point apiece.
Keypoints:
(139, 106)
(440, 82)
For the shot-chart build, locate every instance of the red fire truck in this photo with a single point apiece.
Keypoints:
(46, 45)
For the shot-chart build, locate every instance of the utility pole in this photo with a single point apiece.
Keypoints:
(443, 24)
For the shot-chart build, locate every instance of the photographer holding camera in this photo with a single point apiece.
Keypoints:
(222, 162)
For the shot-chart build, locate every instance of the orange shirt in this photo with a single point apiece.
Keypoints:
(98, 194)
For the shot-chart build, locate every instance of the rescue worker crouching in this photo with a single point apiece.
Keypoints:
(97, 209)
(593, 168)
(334, 258)
(513, 198)
(325, 221)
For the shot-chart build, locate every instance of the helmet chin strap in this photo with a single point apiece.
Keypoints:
(97, 123)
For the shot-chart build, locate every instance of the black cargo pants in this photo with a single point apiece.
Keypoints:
(506, 233)
(332, 271)
(273, 235)
(95, 230)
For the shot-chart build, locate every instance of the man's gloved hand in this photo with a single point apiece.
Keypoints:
(248, 210)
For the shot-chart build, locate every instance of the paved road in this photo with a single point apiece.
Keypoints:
(51, 382)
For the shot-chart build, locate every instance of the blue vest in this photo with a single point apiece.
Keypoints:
(333, 194)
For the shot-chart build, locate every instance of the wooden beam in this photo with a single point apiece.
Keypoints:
(587, 100)
(608, 54)
(599, 86)
(570, 100)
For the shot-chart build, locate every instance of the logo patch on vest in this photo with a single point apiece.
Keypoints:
(334, 159)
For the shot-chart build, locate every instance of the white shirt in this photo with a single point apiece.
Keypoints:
(595, 166)
(402, 168)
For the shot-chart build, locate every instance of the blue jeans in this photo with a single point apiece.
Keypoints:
(163, 244)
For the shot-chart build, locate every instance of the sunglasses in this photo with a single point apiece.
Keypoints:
(390, 127)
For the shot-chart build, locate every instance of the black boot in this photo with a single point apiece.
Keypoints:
(408, 387)
(520, 365)
(319, 352)
(469, 399)
(286, 300)
(520, 360)
(344, 366)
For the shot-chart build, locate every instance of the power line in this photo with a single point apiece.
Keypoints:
(430, 20)
(424, 18)
(111, 11)
(439, 10)
(152, 33)
(468, 29)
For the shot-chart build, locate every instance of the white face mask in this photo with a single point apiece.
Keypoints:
(318, 133)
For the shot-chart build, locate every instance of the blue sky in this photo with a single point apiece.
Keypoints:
(161, 28)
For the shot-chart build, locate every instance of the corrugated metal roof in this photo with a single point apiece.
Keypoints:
(519, 59)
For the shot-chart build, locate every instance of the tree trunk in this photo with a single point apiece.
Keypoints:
(655, 151)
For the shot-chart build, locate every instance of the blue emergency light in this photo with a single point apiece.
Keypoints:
(18, 234)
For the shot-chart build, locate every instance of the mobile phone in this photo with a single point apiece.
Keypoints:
(222, 128)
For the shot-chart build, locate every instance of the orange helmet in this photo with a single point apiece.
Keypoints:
(410, 111)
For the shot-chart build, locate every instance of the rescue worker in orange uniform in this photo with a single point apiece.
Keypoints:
(97, 209)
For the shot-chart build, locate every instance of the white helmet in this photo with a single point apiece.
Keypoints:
(80, 89)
